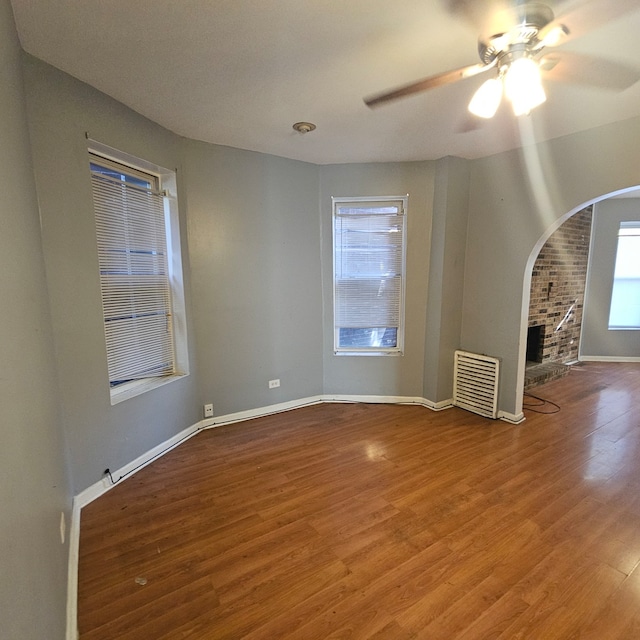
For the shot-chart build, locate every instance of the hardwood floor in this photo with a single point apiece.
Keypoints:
(381, 522)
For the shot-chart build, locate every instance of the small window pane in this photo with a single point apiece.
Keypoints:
(385, 337)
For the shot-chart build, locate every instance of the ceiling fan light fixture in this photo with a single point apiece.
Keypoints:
(486, 99)
(523, 86)
(523, 105)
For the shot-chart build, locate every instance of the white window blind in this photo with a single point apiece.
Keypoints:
(134, 275)
(624, 312)
(369, 248)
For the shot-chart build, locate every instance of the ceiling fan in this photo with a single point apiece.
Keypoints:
(519, 34)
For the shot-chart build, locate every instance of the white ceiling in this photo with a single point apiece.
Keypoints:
(241, 72)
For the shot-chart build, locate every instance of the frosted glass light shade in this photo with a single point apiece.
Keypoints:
(486, 99)
(523, 86)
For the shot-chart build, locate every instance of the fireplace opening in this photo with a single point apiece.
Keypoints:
(535, 341)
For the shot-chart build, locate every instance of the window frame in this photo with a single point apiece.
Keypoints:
(166, 183)
(398, 349)
(626, 228)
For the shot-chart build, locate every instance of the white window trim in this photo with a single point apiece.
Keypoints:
(178, 308)
(370, 351)
(633, 226)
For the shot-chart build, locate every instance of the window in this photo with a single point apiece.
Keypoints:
(625, 296)
(140, 275)
(368, 276)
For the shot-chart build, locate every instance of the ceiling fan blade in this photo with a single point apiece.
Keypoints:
(575, 68)
(428, 83)
(585, 17)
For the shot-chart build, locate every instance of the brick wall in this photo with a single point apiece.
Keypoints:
(557, 283)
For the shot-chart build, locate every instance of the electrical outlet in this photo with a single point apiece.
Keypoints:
(63, 527)
(208, 411)
(273, 384)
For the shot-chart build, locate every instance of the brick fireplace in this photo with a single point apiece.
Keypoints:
(557, 293)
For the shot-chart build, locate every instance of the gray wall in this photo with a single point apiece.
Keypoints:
(388, 375)
(446, 276)
(33, 488)
(516, 200)
(254, 240)
(61, 111)
(597, 341)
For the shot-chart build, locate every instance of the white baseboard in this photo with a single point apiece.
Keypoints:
(609, 358)
(373, 399)
(437, 406)
(240, 416)
(72, 572)
(511, 418)
(422, 402)
(261, 412)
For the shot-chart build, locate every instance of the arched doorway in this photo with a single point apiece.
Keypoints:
(556, 300)
(560, 349)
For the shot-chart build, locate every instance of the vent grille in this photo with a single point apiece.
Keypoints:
(475, 383)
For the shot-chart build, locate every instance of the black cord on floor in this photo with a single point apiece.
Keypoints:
(541, 403)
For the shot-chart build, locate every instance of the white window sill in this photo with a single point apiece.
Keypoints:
(135, 388)
(368, 353)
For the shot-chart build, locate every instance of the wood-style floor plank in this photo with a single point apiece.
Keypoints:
(381, 522)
